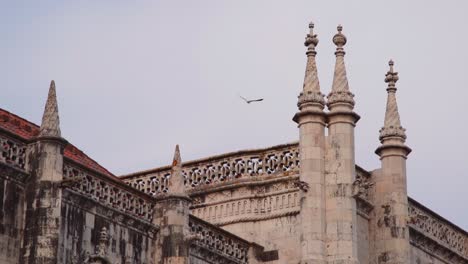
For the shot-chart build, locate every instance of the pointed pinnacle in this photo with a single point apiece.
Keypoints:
(392, 124)
(50, 125)
(176, 181)
(176, 162)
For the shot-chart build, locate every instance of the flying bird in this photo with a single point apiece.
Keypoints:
(251, 101)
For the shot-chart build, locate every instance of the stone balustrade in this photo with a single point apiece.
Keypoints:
(251, 163)
(212, 243)
(12, 152)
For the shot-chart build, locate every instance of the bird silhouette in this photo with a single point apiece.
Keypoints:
(251, 101)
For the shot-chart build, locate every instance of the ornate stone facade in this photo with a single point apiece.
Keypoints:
(302, 202)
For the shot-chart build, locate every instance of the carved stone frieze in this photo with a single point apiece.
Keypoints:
(106, 193)
(256, 207)
(119, 217)
(433, 248)
(438, 230)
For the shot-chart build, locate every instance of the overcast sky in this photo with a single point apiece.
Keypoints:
(134, 78)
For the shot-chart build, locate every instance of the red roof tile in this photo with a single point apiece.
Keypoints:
(28, 130)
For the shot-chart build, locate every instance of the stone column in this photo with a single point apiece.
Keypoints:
(171, 214)
(43, 192)
(340, 165)
(390, 215)
(311, 122)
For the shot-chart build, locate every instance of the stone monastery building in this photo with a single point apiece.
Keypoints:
(305, 202)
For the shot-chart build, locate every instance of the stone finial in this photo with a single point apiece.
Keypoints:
(176, 181)
(391, 77)
(340, 93)
(340, 40)
(311, 95)
(392, 125)
(311, 40)
(50, 126)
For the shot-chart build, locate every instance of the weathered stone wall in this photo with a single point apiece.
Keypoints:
(265, 212)
(363, 239)
(281, 234)
(129, 239)
(11, 217)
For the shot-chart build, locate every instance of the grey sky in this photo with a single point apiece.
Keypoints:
(136, 77)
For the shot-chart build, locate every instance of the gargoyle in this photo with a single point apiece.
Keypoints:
(304, 186)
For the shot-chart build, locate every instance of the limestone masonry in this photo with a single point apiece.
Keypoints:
(306, 202)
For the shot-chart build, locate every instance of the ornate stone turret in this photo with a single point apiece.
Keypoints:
(171, 214)
(340, 165)
(43, 192)
(391, 200)
(311, 122)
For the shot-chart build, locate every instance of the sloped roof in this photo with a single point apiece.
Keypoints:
(27, 130)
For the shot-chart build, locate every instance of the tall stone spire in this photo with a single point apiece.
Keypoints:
(50, 126)
(391, 198)
(340, 94)
(176, 181)
(340, 164)
(392, 124)
(311, 97)
(311, 120)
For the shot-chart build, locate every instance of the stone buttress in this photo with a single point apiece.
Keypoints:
(171, 214)
(389, 223)
(340, 174)
(311, 123)
(43, 191)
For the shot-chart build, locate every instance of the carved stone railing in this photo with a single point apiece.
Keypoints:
(108, 192)
(12, 152)
(282, 159)
(216, 245)
(437, 229)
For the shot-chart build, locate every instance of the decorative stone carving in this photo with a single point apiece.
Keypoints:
(362, 186)
(101, 248)
(438, 230)
(271, 162)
